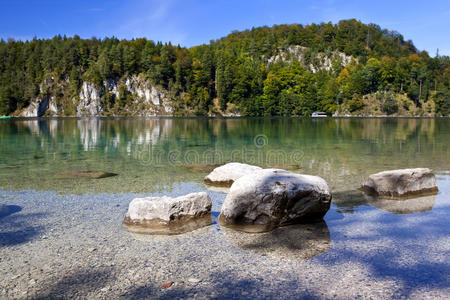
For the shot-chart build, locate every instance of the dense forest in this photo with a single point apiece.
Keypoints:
(344, 68)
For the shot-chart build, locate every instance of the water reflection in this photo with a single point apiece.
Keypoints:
(343, 151)
(173, 227)
(301, 241)
(148, 238)
(348, 201)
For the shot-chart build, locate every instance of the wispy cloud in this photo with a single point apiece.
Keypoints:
(162, 10)
(152, 19)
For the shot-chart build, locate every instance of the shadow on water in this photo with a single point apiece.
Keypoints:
(227, 285)
(301, 241)
(15, 229)
(405, 240)
(6, 210)
(77, 284)
(223, 285)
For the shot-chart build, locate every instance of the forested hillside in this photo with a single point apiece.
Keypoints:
(344, 68)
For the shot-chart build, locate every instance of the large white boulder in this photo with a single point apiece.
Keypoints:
(399, 183)
(269, 198)
(227, 174)
(166, 215)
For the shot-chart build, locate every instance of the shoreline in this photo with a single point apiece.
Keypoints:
(222, 117)
(75, 246)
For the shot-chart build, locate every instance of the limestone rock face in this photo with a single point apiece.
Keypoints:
(166, 215)
(37, 108)
(320, 61)
(401, 183)
(89, 104)
(227, 174)
(269, 198)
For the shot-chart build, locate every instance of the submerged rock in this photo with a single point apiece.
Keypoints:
(270, 198)
(404, 206)
(74, 174)
(227, 174)
(294, 242)
(348, 201)
(166, 215)
(401, 183)
(200, 168)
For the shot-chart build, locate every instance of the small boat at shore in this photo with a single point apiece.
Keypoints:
(5, 117)
(318, 114)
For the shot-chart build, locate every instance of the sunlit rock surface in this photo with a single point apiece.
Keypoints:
(227, 174)
(266, 199)
(89, 103)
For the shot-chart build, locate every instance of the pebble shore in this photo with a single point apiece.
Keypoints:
(75, 246)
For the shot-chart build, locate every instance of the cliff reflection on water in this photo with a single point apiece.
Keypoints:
(343, 151)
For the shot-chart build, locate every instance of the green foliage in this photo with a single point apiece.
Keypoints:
(234, 69)
(390, 106)
(355, 104)
(442, 100)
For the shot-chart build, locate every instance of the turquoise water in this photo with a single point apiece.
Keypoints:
(155, 153)
(364, 246)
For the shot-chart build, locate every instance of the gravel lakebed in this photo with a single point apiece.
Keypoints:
(55, 245)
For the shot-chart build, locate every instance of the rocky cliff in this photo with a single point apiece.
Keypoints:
(103, 100)
(310, 59)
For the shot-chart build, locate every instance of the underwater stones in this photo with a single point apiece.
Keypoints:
(227, 174)
(269, 198)
(166, 215)
(401, 183)
(293, 242)
(74, 174)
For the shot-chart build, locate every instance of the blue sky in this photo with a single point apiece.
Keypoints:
(193, 22)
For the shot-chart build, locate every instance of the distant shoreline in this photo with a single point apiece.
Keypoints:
(222, 117)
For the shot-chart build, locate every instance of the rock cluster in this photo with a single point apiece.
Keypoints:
(261, 200)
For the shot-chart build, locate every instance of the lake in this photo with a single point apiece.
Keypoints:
(62, 236)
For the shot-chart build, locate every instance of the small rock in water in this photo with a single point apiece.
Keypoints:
(401, 183)
(166, 215)
(194, 280)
